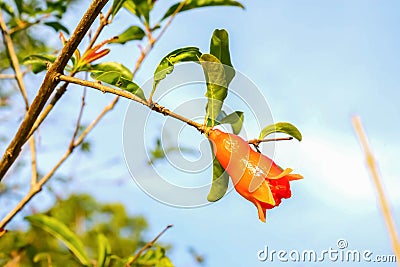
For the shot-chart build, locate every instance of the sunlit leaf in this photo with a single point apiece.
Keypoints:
(235, 119)
(219, 47)
(130, 34)
(216, 85)
(60, 231)
(117, 4)
(39, 62)
(166, 65)
(164, 262)
(118, 75)
(140, 8)
(104, 251)
(57, 26)
(43, 256)
(281, 127)
(219, 183)
(191, 4)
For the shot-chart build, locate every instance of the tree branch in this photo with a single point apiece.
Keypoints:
(153, 106)
(49, 84)
(19, 77)
(152, 41)
(39, 185)
(147, 246)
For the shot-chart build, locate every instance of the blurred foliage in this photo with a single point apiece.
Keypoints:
(89, 221)
(21, 16)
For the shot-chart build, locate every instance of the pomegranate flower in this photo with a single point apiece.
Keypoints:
(255, 176)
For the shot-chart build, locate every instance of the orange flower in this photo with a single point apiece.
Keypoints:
(255, 176)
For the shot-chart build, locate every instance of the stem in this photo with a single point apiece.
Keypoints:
(152, 41)
(256, 142)
(147, 246)
(49, 84)
(153, 106)
(104, 21)
(7, 76)
(19, 77)
(383, 202)
(39, 185)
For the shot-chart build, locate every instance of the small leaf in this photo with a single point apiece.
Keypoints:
(140, 8)
(130, 34)
(117, 4)
(43, 256)
(166, 65)
(104, 251)
(62, 233)
(216, 85)
(118, 75)
(220, 182)
(57, 26)
(219, 47)
(112, 66)
(164, 262)
(281, 127)
(235, 119)
(191, 4)
(39, 62)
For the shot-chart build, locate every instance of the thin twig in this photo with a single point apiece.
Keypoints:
(49, 84)
(34, 172)
(104, 21)
(152, 41)
(147, 246)
(383, 202)
(7, 76)
(154, 106)
(43, 115)
(39, 185)
(257, 141)
(13, 59)
(78, 120)
(26, 25)
(19, 77)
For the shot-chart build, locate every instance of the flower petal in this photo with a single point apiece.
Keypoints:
(262, 212)
(264, 194)
(282, 174)
(292, 177)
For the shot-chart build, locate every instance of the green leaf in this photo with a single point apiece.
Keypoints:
(130, 34)
(164, 262)
(235, 119)
(19, 4)
(7, 8)
(117, 4)
(118, 75)
(39, 62)
(191, 4)
(219, 47)
(62, 233)
(166, 65)
(219, 183)
(140, 8)
(104, 251)
(281, 127)
(43, 256)
(216, 85)
(57, 26)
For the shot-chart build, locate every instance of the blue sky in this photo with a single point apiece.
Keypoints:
(317, 63)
